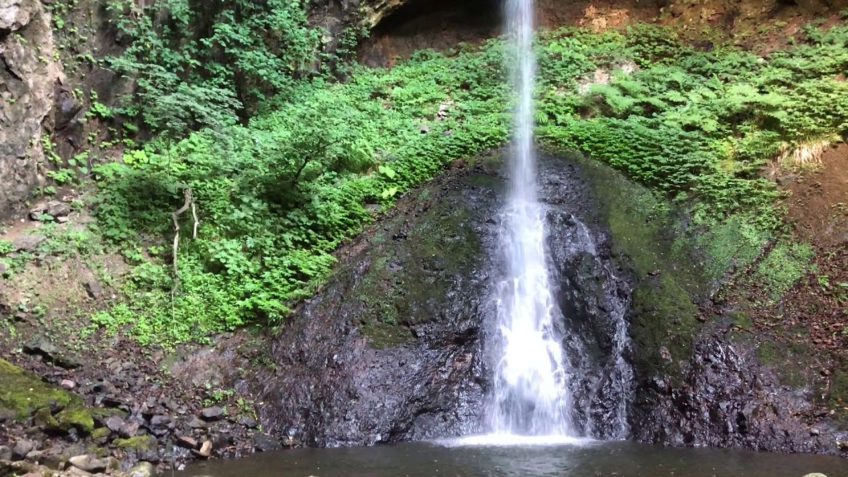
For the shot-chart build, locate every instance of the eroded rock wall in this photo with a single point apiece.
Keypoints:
(29, 75)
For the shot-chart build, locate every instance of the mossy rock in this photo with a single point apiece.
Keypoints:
(44, 418)
(79, 418)
(100, 414)
(137, 443)
(22, 394)
(649, 236)
(408, 280)
(101, 434)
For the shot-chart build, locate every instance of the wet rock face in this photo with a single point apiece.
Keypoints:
(728, 399)
(394, 347)
(389, 350)
(28, 77)
(593, 293)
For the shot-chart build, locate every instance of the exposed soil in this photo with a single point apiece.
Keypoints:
(761, 26)
(818, 205)
(818, 208)
(809, 326)
(818, 305)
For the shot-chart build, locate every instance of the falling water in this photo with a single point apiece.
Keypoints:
(530, 394)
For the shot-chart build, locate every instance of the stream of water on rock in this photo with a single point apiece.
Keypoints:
(530, 399)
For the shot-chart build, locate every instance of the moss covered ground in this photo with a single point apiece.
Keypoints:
(23, 395)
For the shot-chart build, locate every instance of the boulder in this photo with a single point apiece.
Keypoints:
(15, 14)
(205, 450)
(392, 348)
(89, 463)
(213, 413)
(264, 443)
(142, 469)
(43, 347)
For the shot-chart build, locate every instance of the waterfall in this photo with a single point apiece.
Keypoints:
(530, 394)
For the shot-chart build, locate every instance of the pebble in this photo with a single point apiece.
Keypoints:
(213, 413)
(129, 429)
(142, 469)
(5, 453)
(93, 289)
(205, 450)
(89, 463)
(114, 423)
(22, 448)
(187, 442)
(248, 422)
(196, 423)
(68, 384)
(160, 420)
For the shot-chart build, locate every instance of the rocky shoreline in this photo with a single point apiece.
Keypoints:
(120, 415)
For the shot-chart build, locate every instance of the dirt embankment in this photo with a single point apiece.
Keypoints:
(442, 24)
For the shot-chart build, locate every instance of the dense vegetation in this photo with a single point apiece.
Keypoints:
(200, 64)
(278, 195)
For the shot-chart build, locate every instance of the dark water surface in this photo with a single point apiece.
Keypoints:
(620, 459)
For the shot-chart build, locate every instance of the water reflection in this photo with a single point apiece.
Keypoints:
(620, 459)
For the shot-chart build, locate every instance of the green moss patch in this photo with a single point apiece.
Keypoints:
(78, 418)
(21, 394)
(137, 443)
(647, 233)
(783, 267)
(409, 279)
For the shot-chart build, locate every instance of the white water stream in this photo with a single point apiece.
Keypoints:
(530, 394)
(530, 403)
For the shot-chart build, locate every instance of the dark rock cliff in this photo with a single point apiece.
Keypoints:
(29, 75)
(394, 348)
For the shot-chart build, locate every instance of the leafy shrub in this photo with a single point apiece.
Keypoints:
(198, 64)
(278, 195)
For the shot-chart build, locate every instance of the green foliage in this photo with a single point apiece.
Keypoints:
(100, 110)
(696, 125)
(783, 267)
(62, 176)
(278, 195)
(6, 248)
(198, 64)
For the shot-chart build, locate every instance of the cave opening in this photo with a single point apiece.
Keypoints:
(434, 24)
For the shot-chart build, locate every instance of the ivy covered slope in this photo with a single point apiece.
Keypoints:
(276, 196)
